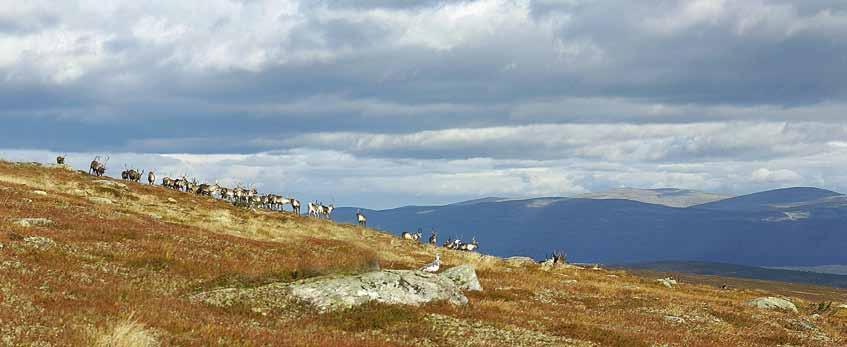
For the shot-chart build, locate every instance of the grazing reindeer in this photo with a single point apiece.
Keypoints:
(97, 168)
(132, 175)
(433, 238)
(60, 160)
(151, 178)
(411, 236)
(361, 219)
(295, 205)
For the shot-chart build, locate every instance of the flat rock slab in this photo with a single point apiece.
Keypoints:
(404, 287)
(328, 293)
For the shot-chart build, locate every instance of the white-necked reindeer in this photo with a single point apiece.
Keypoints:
(361, 219)
(151, 178)
(326, 211)
(295, 205)
(433, 238)
(314, 209)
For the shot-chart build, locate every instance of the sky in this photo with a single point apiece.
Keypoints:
(381, 103)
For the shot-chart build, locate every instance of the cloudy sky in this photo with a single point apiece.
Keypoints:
(381, 103)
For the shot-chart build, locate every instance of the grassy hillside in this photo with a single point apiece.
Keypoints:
(119, 261)
(733, 270)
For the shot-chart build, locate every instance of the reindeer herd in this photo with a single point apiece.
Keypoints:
(250, 197)
(456, 244)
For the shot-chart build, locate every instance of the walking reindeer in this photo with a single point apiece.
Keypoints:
(361, 219)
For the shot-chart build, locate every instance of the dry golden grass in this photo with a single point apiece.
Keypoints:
(124, 333)
(145, 254)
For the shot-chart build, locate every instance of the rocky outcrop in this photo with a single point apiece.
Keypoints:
(464, 277)
(773, 303)
(405, 287)
(328, 293)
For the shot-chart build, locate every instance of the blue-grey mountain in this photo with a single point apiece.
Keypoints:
(786, 227)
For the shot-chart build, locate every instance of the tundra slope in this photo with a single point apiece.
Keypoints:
(125, 257)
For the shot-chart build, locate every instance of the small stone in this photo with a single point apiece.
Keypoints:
(39, 192)
(674, 319)
(172, 200)
(99, 200)
(40, 242)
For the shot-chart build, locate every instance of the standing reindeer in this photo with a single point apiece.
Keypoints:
(97, 168)
(295, 205)
(326, 211)
(151, 178)
(363, 221)
(60, 160)
(433, 238)
(558, 257)
(314, 209)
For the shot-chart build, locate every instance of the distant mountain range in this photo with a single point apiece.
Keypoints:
(784, 227)
(665, 196)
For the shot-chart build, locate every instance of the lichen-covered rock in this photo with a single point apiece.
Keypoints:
(519, 261)
(773, 303)
(31, 222)
(464, 276)
(404, 287)
(40, 242)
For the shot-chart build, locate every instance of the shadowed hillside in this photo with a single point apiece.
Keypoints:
(94, 261)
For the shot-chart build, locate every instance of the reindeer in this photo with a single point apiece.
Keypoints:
(151, 178)
(361, 219)
(207, 189)
(557, 257)
(97, 168)
(411, 236)
(453, 244)
(326, 211)
(132, 175)
(470, 247)
(277, 202)
(433, 238)
(295, 205)
(314, 209)
(60, 160)
(168, 182)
